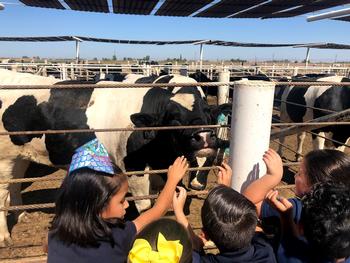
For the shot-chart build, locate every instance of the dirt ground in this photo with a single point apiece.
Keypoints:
(29, 233)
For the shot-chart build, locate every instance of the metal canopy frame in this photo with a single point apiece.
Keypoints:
(201, 43)
(201, 8)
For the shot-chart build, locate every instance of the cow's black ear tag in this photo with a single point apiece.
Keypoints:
(144, 119)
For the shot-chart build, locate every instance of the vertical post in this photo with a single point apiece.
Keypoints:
(295, 71)
(307, 57)
(250, 130)
(223, 91)
(72, 76)
(200, 57)
(77, 50)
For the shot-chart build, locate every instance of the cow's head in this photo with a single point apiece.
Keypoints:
(183, 109)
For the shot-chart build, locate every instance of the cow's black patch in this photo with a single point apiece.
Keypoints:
(66, 109)
(166, 79)
(296, 112)
(201, 77)
(148, 79)
(335, 99)
(23, 115)
(0, 104)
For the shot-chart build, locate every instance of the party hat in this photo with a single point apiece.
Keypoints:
(92, 155)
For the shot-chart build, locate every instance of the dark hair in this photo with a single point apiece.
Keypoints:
(171, 230)
(83, 195)
(325, 165)
(326, 219)
(229, 219)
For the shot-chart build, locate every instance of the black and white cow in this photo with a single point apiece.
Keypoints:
(100, 108)
(331, 98)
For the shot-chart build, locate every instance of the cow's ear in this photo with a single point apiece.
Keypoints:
(144, 119)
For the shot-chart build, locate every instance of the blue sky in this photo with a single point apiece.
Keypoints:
(17, 20)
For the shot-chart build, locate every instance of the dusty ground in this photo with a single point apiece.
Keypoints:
(29, 234)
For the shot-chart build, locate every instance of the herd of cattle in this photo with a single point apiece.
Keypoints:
(56, 109)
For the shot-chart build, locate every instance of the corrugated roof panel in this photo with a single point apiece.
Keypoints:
(88, 5)
(315, 5)
(139, 7)
(228, 7)
(181, 7)
(37, 39)
(43, 3)
(269, 8)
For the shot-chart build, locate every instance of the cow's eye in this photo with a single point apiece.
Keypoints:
(196, 137)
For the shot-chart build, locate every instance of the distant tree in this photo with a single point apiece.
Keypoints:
(147, 58)
(95, 59)
(114, 57)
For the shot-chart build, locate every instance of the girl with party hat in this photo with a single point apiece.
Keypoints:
(89, 223)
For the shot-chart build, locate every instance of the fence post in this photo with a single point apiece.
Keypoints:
(250, 130)
(223, 91)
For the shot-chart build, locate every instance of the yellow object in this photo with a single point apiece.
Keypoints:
(168, 251)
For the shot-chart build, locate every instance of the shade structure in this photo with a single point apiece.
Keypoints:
(195, 8)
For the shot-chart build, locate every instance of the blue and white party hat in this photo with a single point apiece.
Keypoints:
(92, 155)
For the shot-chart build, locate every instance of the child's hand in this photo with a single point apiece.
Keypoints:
(225, 174)
(273, 163)
(179, 199)
(281, 204)
(178, 169)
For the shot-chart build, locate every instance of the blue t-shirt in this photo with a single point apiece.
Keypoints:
(292, 249)
(268, 211)
(258, 252)
(298, 250)
(123, 237)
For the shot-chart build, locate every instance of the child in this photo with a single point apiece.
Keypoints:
(163, 240)
(317, 166)
(88, 225)
(229, 220)
(325, 222)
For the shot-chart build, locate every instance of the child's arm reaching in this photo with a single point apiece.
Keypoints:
(285, 209)
(258, 189)
(178, 206)
(175, 174)
(225, 174)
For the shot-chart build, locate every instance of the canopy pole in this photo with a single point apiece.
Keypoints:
(77, 50)
(250, 130)
(307, 57)
(201, 57)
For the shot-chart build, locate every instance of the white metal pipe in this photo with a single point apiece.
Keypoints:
(250, 130)
(201, 57)
(307, 57)
(331, 14)
(77, 49)
(223, 91)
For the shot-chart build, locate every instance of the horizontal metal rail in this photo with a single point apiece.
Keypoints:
(339, 116)
(159, 85)
(58, 178)
(159, 128)
(304, 106)
(155, 196)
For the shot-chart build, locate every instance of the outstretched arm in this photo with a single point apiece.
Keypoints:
(258, 189)
(175, 174)
(178, 205)
(285, 209)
